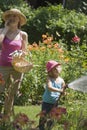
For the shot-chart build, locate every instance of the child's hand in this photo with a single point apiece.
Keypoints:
(66, 86)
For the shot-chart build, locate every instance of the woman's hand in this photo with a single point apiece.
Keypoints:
(7, 23)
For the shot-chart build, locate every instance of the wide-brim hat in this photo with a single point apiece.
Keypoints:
(51, 64)
(17, 12)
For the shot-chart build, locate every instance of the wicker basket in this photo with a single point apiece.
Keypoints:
(21, 65)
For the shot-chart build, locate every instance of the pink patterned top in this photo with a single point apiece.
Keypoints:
(9, 46)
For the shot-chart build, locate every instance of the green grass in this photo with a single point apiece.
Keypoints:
(31, 111)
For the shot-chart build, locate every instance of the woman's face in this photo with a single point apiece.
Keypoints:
(13, 19)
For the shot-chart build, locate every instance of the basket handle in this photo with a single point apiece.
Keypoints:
(21, 54)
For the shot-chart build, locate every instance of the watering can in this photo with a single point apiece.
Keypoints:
(79, 84)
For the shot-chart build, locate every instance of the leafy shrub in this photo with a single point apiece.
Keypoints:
(60, 22)
(6, 4)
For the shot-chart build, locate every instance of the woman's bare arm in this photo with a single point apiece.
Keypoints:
(24, 40)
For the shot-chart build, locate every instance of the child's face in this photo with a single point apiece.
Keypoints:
(56, 71)
(59, 68)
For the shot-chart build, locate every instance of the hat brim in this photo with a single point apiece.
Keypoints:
(53, 66)
(20, 15)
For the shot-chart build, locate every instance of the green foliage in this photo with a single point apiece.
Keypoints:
(77, 62)
(6, 4)
(56, 20)
(74, 63)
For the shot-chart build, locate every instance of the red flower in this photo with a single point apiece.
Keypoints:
(21, 119)
(57, 112)
(76, 39)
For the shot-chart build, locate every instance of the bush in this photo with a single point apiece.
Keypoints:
(63, 24)
(6, 4)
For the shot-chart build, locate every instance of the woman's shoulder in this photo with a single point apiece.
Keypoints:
(24, 34)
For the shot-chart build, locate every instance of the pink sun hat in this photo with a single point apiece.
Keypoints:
(51, 64)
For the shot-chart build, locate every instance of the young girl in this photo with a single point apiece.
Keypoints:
(54, 87)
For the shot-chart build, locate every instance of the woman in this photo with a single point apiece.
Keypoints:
(11, 39)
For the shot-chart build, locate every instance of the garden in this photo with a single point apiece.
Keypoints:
(58, 34)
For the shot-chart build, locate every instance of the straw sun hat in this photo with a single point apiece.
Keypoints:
(17, 12)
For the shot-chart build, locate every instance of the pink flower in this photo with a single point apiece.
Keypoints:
(21, 119)
(76, 39)
(57, 112)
